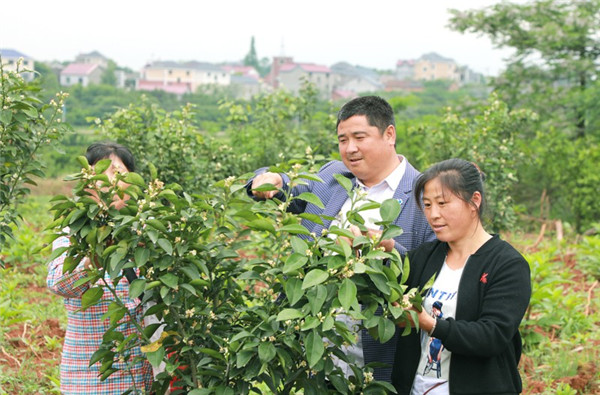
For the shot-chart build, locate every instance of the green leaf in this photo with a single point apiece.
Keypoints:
(156, 357)
(101, 166)
(170, 280)
(136, 287)
(385, 329)
(312, 177)
(380, 282)
(266, 352)
(57, 252)
(293, 290)
(310, 322)
(312, 217)
(392, 232)
(310, 198)
(262, 224)
(294, 262)
(91, 297)
(314, 277)
(344, 182)
(157, 225)
(347, 294)
(265, 188)
(299, 245)
(314, 348)
(83, 162)
(165, 245)
(289, 314)
(141, 256)
(390, 210)
(328, 323)
(316, 298)
(243, 357)
(134, 179)
(153, 172)
(295, 229)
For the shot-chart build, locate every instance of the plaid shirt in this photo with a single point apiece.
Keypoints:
(84, 334)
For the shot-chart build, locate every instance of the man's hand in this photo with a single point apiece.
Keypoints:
(266, 178)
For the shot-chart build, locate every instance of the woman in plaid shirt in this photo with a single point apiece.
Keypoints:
(85, 328)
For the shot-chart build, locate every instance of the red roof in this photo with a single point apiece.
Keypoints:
(79, 69)
(407, 62)
(308, 67)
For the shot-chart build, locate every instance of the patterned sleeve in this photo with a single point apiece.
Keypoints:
(63, 284)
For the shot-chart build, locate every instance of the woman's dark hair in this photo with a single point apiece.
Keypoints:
(461, 177)
(104, 150)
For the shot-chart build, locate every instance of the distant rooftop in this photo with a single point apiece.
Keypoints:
(79, 69)
(308, 67)
(11, 53)
(434, 57)
(93, 54)
(184, 65)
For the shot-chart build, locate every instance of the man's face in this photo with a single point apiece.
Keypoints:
(367, 153)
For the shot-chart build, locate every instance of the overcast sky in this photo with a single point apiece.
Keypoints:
(369, 33)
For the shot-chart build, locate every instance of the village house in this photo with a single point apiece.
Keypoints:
(93, 57)
(432, 66)
(289, 75)
(191, 74)
(83, 74)
(10, 62)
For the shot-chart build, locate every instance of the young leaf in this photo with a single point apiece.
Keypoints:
(344, 182)
(347, 293)
(134, 179)
(314, 277)
(386, 329)
(314, 348)
(101, 166)
(390, 210)
(293, 290)
(136, 287)
(295, 229)
(156, 357)
(289, 314)
(91, 297)
(294, 262)
(310, 198)
(266, 352)
(165, 245)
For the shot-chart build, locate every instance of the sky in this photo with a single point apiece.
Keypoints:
(369, 33)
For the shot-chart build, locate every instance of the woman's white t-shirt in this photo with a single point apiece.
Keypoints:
(434, 365)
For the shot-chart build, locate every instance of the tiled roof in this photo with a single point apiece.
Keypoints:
(11, 53)
(405, 62)
(94, 54)
(79, 69)
(434, 57)
(308, 67)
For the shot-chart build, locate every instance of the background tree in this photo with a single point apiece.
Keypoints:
(26, 125)
(554, 71)
(108, 77)
(251, 59)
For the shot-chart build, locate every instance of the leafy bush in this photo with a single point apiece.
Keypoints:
(489, 139)
(245, 295)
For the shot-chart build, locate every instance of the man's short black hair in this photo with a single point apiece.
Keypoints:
(378, 111)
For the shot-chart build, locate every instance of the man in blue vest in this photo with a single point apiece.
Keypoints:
(366, 135)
